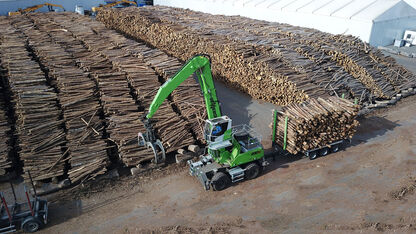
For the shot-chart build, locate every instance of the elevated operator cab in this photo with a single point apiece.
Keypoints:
(216, 129)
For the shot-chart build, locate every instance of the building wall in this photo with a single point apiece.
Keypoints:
(384, 32)
(69, 5)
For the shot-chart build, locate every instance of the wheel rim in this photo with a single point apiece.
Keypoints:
(253, 173)
(313, 155)
(324, 152)
(220, 184)
(335, 149)
(33, 226)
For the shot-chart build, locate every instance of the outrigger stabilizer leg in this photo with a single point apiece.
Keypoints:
(150, 141)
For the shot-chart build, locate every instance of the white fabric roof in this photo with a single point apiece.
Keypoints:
(411, 3)
(363, 10)
(378, 22)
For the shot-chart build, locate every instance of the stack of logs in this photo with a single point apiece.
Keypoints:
(5, 154)
(244, 66)
(136, 59)
(316, 123)
(279, 63)
(87, 150)
(120, 109)
(118, 73)
(65, 73)
(38, 123)
(88, 87)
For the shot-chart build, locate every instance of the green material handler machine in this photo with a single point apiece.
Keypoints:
(233, 153)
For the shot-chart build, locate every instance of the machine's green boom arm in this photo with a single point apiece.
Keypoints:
(199, 64)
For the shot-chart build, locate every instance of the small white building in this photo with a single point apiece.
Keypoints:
(410, 36)
(378, 22)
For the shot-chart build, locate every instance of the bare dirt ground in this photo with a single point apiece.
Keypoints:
(368, 187)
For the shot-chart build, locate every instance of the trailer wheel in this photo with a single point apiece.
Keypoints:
(252, 171)
(324, 151)
(313, 155)
(220, 181)
(31, 225)
(335, 148)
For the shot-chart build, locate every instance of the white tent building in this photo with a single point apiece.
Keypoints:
(378, 22)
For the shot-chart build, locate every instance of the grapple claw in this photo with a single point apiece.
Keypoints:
(149, 140)
(141, 140)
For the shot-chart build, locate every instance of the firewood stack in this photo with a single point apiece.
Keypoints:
(5, 160)
(87, 151)
(316, 123)
(38, 123)
(131, 57)
(170, 127)
(120, 108)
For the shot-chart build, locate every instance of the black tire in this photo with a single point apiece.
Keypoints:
(313, 155)
(31, 226)
(220, 181)
(251, 171)
(324, 151)
(335, 148)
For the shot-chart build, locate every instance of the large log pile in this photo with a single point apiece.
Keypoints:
(76, 78)
(87, 150)
(317, 63)
(325, 72)
(316, 123)
(187, 97)
(142, 65)
(80, 75)
(118, 74)
(119, 107)
(41, 136)
(5, 137)
(144, 82)
(244, 66)
(365, 63)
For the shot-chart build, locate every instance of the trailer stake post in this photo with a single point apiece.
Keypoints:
(33, 185)
(6, 207)
(285, 135)
(14, 193)
(274, 125)
(28, 202)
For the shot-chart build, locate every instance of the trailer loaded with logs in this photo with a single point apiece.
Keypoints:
(315, 127)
